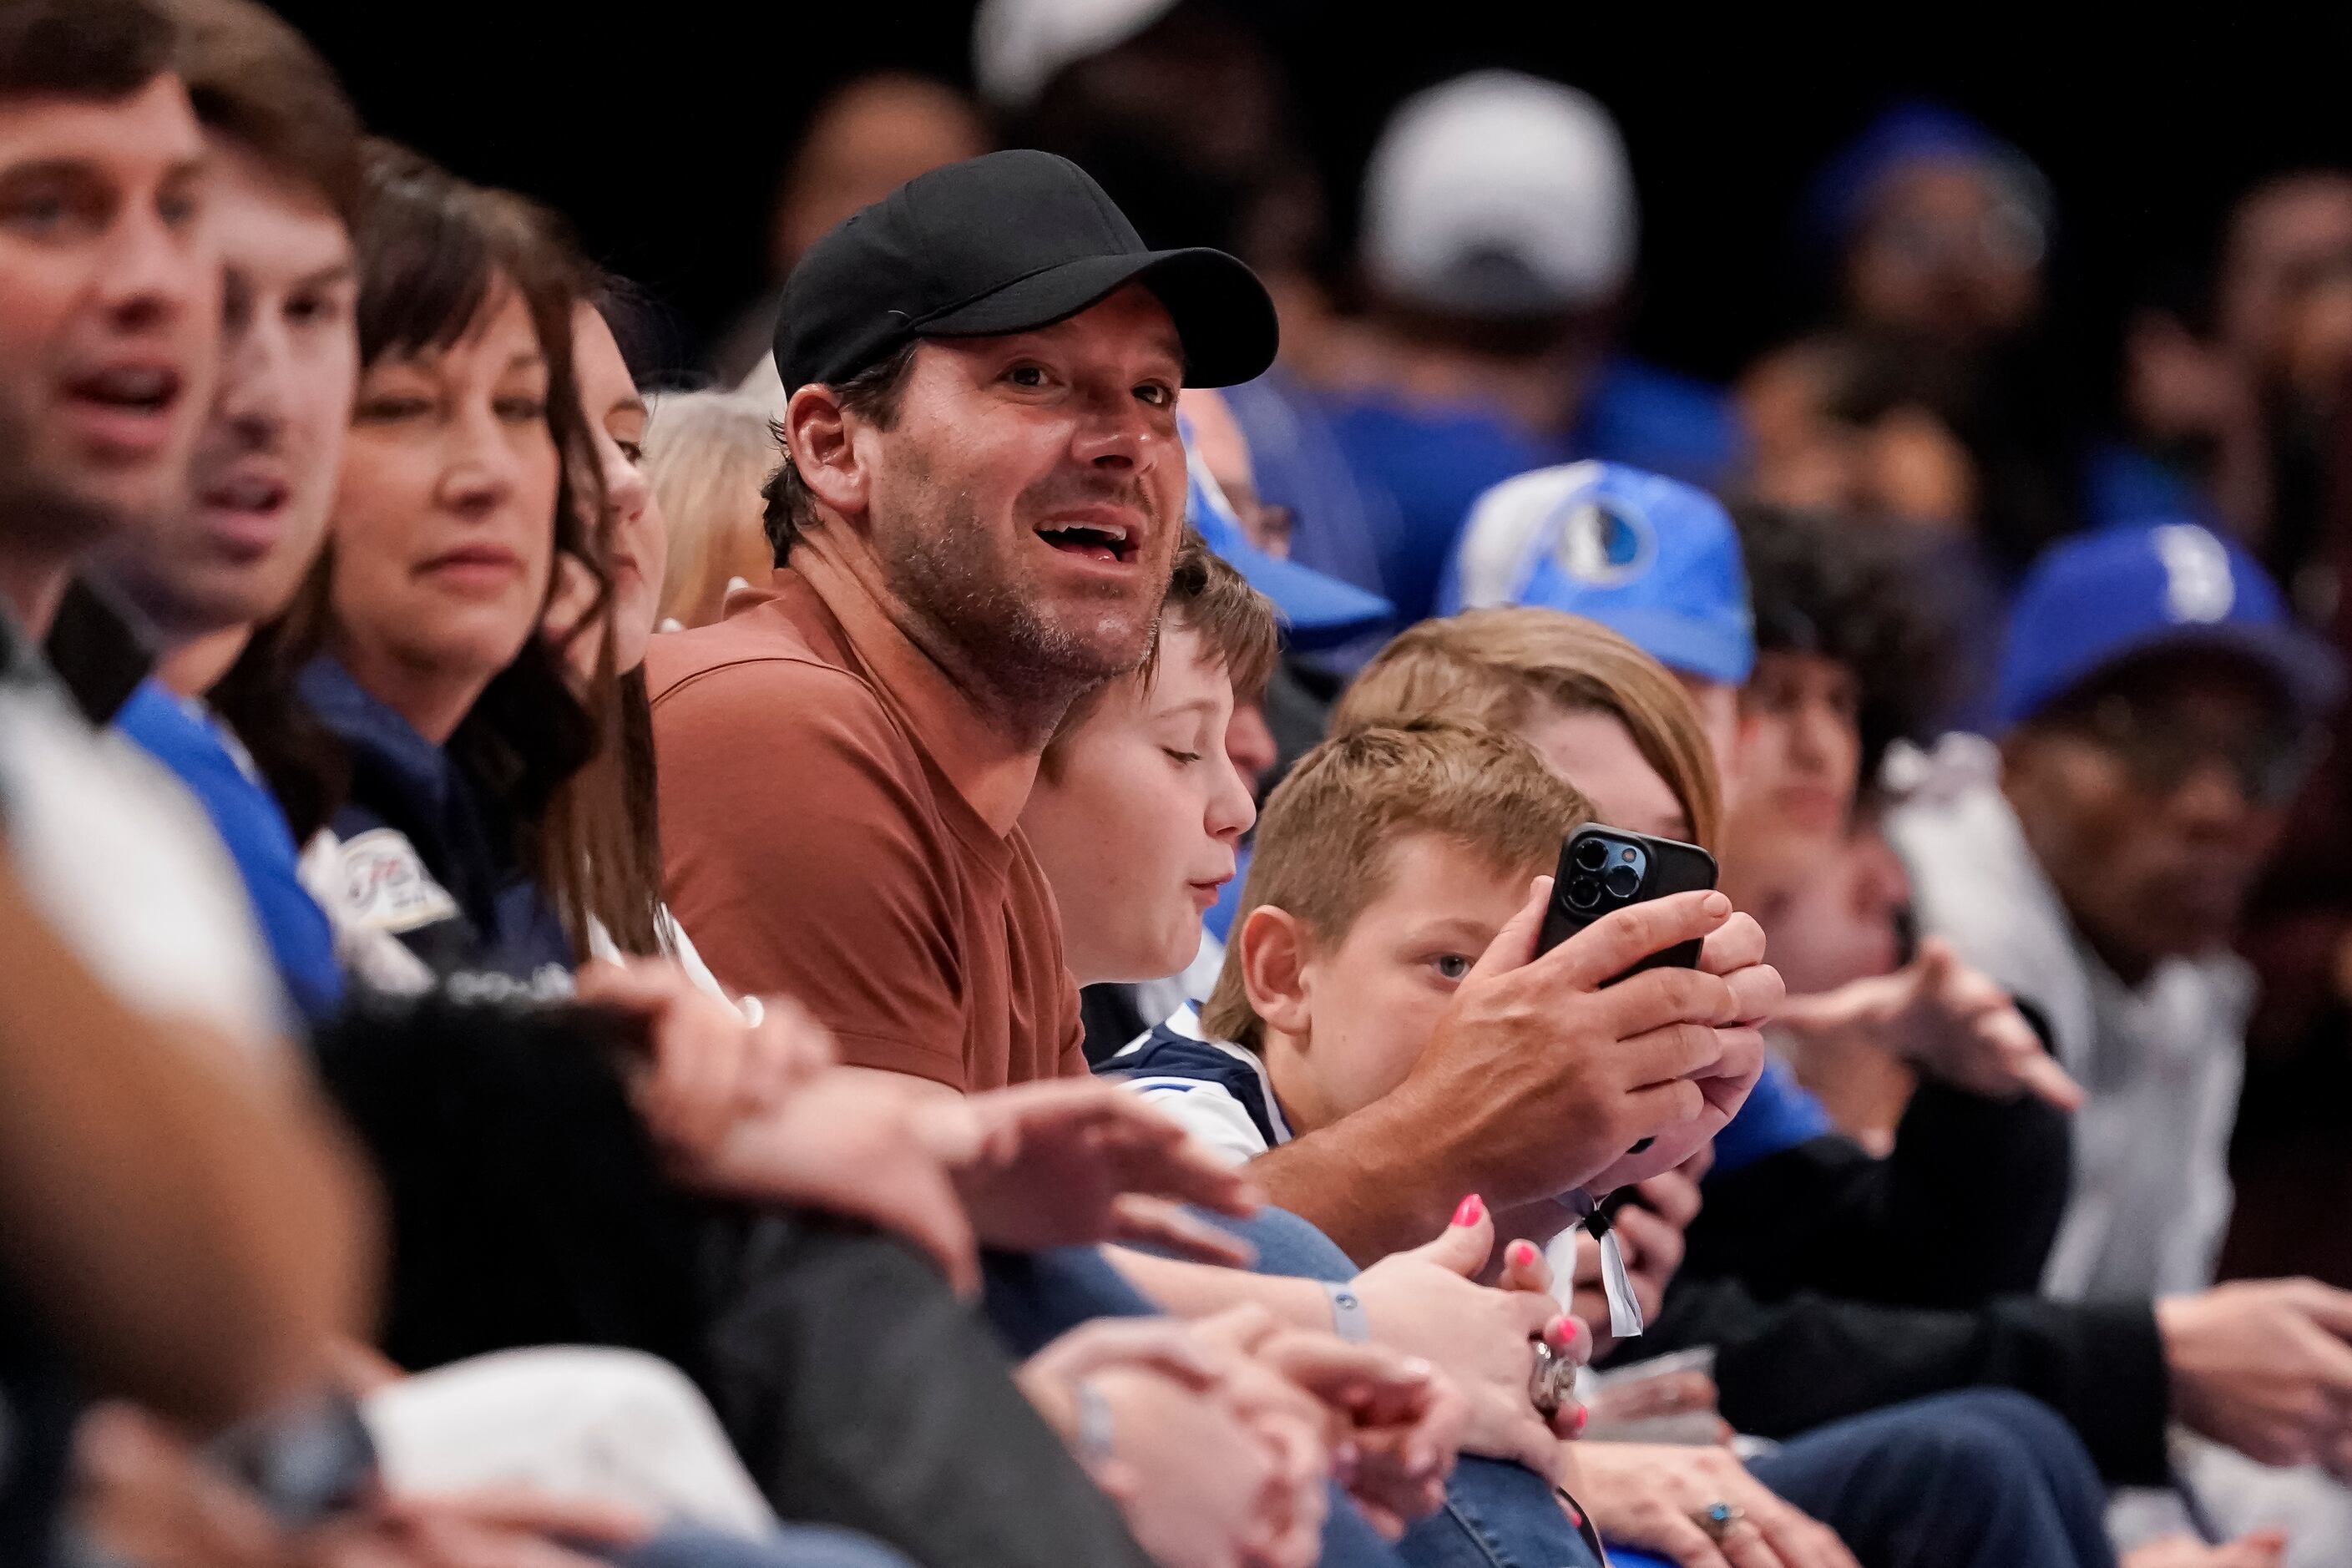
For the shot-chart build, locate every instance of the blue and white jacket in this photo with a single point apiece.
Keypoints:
(1217, 1091)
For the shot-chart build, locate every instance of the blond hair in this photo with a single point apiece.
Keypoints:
(708, 457)
(1235, 623)
(1327, 841)
(1497, 666)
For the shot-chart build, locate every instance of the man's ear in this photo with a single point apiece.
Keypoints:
(816, 438)
(1275, 952)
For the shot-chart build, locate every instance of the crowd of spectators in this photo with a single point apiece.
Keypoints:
(942, 949)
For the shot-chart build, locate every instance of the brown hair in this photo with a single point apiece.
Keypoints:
(258, 82)
(708, 457)
(872, 395)
(1328, 838)
(96, 50)
(1235, 621)
(1497, 666)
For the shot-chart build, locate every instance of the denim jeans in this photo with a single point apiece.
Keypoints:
(1985, 1477)
(1496, 1514)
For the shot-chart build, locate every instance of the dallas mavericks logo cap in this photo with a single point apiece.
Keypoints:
(2093, 602)
(1653, 559)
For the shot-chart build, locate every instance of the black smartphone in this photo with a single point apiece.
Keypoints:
(1605, 868)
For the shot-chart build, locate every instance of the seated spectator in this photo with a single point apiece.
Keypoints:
(707, 458)
(1147, 875)
(1932, 234)
(2153, 697)
(865, 140)
(1848, 663)
(284, 146)
(1499, 248)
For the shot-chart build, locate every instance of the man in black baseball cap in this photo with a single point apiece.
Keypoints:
(979, 500)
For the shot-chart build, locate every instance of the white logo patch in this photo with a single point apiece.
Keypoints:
(385, 886)
(2197, 582)
(1603, 542)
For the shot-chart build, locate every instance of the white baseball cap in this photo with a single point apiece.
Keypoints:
(1501, 194)
(1019, 45)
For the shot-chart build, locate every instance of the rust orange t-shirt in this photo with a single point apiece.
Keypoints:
(816, 845)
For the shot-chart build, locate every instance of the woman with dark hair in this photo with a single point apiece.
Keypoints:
(468, 476)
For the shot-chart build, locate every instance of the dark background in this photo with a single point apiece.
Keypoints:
(661, 129)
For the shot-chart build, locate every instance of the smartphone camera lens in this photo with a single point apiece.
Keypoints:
(1624, 882)
(1583, 892)
(1591, 854)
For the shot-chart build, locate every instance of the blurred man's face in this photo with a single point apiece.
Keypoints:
(2153, 801)
(1948, 254)
(1800, 743)
(2286, 284)
(865, 142)
(110, 299)
(263, 479)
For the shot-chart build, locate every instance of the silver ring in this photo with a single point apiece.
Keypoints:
(1551, 1382)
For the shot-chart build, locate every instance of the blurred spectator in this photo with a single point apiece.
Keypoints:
(864, 141)
(2234, 397)
(1497, 252)
(284, 143)
(709, 455)
(1934, 235)
(1846, 423)
(1653, 559)
(1937, 228)
(2157, 704)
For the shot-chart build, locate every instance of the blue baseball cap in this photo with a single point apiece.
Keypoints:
(1318, 611)
(1653, 559)
(1906, 136)
(2093, 601)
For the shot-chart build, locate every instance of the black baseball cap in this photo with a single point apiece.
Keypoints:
(1005, 243)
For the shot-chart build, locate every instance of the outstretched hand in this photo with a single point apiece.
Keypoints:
(1951, 1020)
(1077, 1162)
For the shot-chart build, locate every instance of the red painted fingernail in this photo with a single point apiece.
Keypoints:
(1572, 1330)
(1521, 1254)
(1576, 1426)
(1471, 1208)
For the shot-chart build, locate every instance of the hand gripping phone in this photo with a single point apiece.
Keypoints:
(1605, 868)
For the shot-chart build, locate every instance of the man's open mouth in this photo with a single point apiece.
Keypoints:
(129, 389)
(1096, 541)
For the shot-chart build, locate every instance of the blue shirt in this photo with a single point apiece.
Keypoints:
(1432, 464)
(1781, 1113)
(426, 853)
(202, 755)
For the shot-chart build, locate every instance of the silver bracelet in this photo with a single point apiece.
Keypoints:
(1349, 1319)
(1093, 1444)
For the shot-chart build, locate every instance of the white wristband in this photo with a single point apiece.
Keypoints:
(1349, 1319)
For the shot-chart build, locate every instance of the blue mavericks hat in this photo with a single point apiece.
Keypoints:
(1318, 612)
(2097, 599)
(1653, 559)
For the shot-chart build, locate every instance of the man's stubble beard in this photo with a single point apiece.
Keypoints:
(954, 575)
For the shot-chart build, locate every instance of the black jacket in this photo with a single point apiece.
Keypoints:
(1832, 1283)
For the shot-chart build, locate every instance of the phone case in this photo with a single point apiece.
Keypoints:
(1594, 861)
